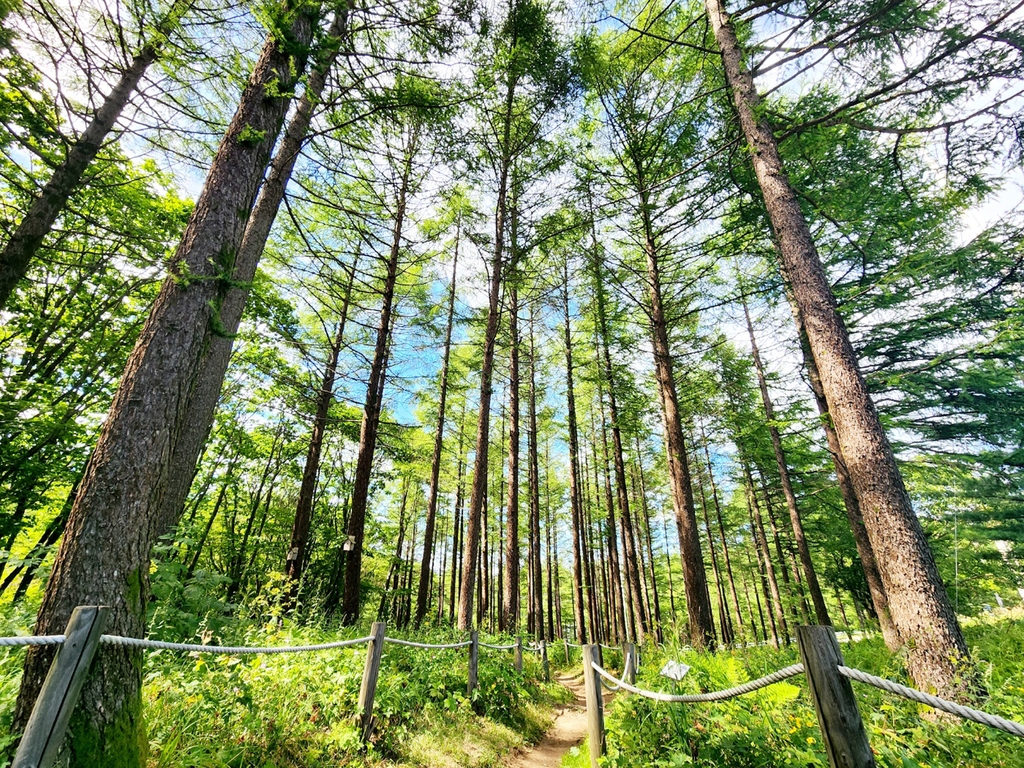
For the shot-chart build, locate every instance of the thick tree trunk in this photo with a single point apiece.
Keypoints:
(17, 254)
(938, 658)
(205, 393)
(846, 489)
(820, 611)
(296, 558)
(104, 558)
(698, 606)
(422, 595)
(374, 395)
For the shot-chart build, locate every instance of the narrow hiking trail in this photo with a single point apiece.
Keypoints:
(568, 730)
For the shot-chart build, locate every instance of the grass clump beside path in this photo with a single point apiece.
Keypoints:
(776, 727)
(297, 710)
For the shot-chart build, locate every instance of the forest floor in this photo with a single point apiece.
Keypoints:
(568, 731)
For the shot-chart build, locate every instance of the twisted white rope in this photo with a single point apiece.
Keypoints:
(230, 650)
(993, 721)
(694, 698)
(498, 647)
(411, 644)
(608, 647)
(12, 642)
(625, 666)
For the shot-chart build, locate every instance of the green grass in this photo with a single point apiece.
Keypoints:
(297, 710)
(777, 726)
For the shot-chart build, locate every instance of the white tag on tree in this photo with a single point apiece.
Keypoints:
(675, 670)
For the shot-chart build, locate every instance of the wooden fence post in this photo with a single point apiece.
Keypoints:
(629, 663)
(595, 704)
(474, 661)
(544, 661)
(370, 673)
(519, 653)
(45, 729)
(842, 729)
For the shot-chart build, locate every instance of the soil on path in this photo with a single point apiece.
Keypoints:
(568, 731)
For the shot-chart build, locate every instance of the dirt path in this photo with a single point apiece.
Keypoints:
(568, 730)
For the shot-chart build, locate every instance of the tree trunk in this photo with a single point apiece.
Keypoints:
(938, 658)
(775, 613)
(641, 493)
(536, 584)
(721, 530)
(458, 545)
(698, 605)
(374, 395)
(820, 611)
(16, 256)
(296, 558)
(205, 392)
(479, 491)
(574, 476)
(723, 612)
(435, 465)
(104, 559)
(860, 535)
(510, 585)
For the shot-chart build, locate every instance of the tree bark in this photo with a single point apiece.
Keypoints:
(938, 658)
(818, 600)
(510, 586)
(422, 595)
(533, 479)
(205, 393)
(698, 606)
(350, 599)
(104, 556)
(17, 254)
(860, 535)
(778, 618)
(721, 530)
(296, 558)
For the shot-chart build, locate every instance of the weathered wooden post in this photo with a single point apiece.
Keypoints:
(565, 645)
(544, 661)
(842, 729)
(629, 663)
(595, 704)
(474, 661)
(370, 673)
(45, 729)
(519, 653)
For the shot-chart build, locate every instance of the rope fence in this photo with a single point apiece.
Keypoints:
(228, 650)
(44, 732)
(966, 713)
(22, 640)
(828, 681)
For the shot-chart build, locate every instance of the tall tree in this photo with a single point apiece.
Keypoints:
(104, 555)
(920, 608)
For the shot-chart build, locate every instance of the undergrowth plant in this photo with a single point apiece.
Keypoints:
(776, 727)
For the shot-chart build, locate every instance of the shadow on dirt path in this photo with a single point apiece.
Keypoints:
(568, 730)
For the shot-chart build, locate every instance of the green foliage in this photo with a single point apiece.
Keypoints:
(777, 726)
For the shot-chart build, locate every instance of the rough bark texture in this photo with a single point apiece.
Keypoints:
(202, 404)
(374, 395)
(820, 611)
(937, 658)
(17, 254)
(860, 535)
(104, 556)
(422, 595)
